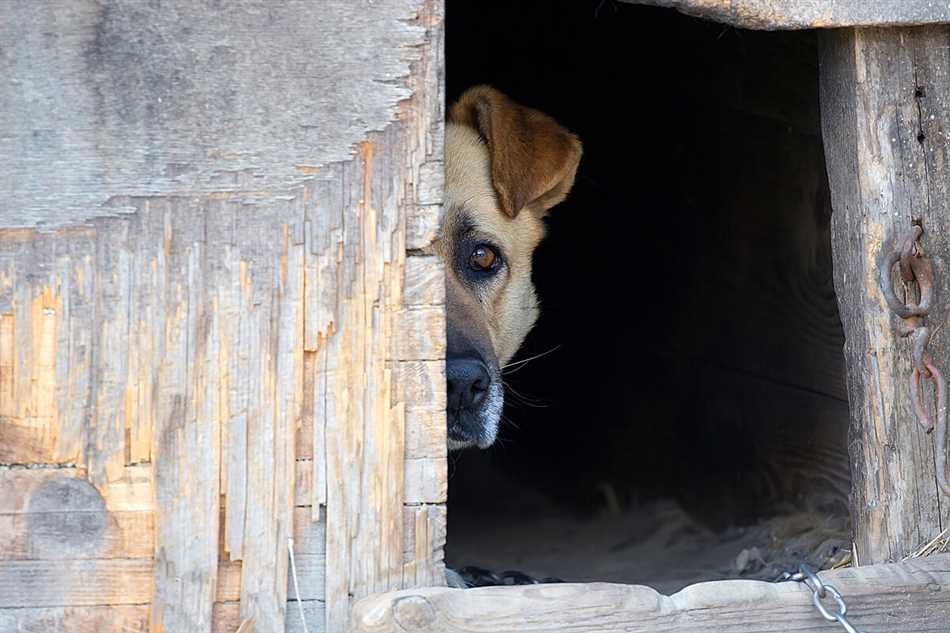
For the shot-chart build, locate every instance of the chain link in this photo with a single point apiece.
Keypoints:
(916, 267)
(819, 591)
(478, 577)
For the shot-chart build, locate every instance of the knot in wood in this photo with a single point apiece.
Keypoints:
(413, 612)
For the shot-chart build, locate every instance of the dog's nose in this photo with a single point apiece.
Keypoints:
(468, 383)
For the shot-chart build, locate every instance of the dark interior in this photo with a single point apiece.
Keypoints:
(686, 417)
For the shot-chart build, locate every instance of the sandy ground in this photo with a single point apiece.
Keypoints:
(658, 544)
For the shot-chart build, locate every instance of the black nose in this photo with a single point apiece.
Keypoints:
(468, 383)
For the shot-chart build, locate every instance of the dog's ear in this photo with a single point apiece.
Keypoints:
(533, 159)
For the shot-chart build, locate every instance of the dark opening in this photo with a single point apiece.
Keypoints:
(692, 421)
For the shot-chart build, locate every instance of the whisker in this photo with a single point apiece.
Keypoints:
(525, 400)
(521, 363)
(510, 422)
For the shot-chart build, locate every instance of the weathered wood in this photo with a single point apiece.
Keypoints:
(251, 101)
(76, 533)
(910, 596)
(885, 102)
(227, 617)
(45, 583)
(810, 14)
(186, 523)
(18, 486)
(111, 619)
(201, 321)
(310, 574)
(423, 538)
(359, 335)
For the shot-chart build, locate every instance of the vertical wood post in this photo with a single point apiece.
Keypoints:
(885, 108)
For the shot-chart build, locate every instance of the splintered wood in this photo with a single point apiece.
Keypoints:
(232, 362)
(910, 596)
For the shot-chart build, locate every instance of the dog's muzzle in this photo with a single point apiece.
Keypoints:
(474, 404)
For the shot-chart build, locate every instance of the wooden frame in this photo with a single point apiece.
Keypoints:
(910, 596)
(219, 340)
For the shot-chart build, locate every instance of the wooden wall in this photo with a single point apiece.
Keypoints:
(215, 333)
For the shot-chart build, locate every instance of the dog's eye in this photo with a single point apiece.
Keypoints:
(483, 258)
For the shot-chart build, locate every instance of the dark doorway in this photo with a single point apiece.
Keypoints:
(691, 420)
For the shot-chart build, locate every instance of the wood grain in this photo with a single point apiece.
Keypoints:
(885, 101)
(110, 619)
(112, 82)
(45, 583)
(201, 323)
(809, 14)
(910, 596)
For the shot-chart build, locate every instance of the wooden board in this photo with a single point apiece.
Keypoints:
(210, 229)
(911, 596)
(885, 105)
(810, 14)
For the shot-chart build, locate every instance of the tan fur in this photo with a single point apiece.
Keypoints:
(533, 159)
(510, 309)
(506, 165)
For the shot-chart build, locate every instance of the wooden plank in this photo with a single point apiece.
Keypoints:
(424, 538)
(110, 619)
(424, 480)
(273, 258)
(186, 488)
(105, 448)
(425, 281)
(242, 248)
(910, 596)
(425, 432)
(227, 617)
(885, 101)
(17, 485)
(57, 583)
(45, 324)
(68, 533)
(310, 574)
(270, 130)
(809, 14)
(421, 334)
(363, 412)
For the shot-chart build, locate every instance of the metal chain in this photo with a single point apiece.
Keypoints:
(478, 577)
(916, 267)
(819, 591)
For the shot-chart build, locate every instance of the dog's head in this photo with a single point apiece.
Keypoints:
(506, 165)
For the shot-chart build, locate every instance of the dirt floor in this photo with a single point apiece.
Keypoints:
(506, 526)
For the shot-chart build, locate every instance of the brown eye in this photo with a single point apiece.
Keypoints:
(483, 258)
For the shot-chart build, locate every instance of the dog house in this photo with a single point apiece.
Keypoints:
(222, 345)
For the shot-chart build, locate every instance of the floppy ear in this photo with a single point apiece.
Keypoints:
(533, 159)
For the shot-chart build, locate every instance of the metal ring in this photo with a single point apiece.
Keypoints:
(923, 416)
(923, 269)
(847, 626)
(842, 607)
(812, 580)
(940, 452)
(912, 267)
(921, 340)
(907, 252)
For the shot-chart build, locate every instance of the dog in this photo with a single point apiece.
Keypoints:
(506, 166)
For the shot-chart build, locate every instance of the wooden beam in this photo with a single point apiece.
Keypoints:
(810, 14)
(109, 619)
(910, 596)
(885, 107)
